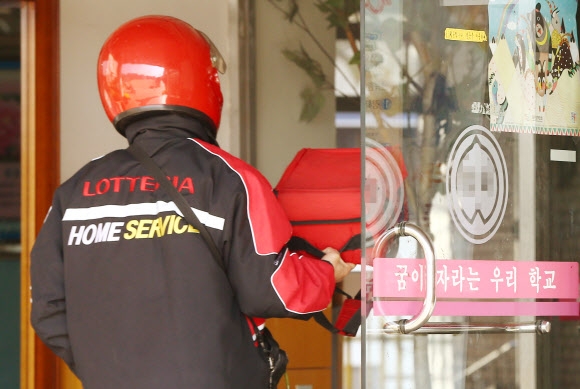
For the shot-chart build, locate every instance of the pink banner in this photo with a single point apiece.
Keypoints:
(467, 281)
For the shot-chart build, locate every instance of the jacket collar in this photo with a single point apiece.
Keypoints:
(164, 126)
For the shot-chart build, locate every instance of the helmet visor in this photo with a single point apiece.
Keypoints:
(217, 59)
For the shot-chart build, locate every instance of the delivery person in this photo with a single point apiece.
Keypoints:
(124, 290)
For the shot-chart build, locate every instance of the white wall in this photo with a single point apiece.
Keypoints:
(279, 132)
(86, 132)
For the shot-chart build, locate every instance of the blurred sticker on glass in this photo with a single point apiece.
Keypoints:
(477, 184)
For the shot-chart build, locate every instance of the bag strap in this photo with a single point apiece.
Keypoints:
(178, 199)
(298, 243)
(353, 319)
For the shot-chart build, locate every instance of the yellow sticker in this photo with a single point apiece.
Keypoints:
(457, 34)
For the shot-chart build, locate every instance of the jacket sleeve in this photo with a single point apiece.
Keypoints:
(268, 279)
(48, 315)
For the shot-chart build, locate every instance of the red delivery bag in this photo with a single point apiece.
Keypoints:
(320, 191)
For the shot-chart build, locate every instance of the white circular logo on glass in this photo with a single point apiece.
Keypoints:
(477, 184)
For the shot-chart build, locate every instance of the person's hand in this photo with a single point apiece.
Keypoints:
(341, 268)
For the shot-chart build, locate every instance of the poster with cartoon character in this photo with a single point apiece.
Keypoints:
(533, 75)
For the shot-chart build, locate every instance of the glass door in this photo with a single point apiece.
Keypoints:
(470, 274)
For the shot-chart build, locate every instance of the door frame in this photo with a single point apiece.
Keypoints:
(40, 167)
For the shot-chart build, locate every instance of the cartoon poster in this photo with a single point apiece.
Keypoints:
(533, 75)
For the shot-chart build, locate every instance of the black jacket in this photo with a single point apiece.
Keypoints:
(129, 295)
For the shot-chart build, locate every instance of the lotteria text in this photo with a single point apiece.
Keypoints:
(132, 184)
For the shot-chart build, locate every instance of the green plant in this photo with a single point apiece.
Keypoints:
(340, 14)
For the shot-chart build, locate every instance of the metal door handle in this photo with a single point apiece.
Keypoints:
(418, 323)
(538, 327)
(406, 326)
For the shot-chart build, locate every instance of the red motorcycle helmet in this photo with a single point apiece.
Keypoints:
(159, 63)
